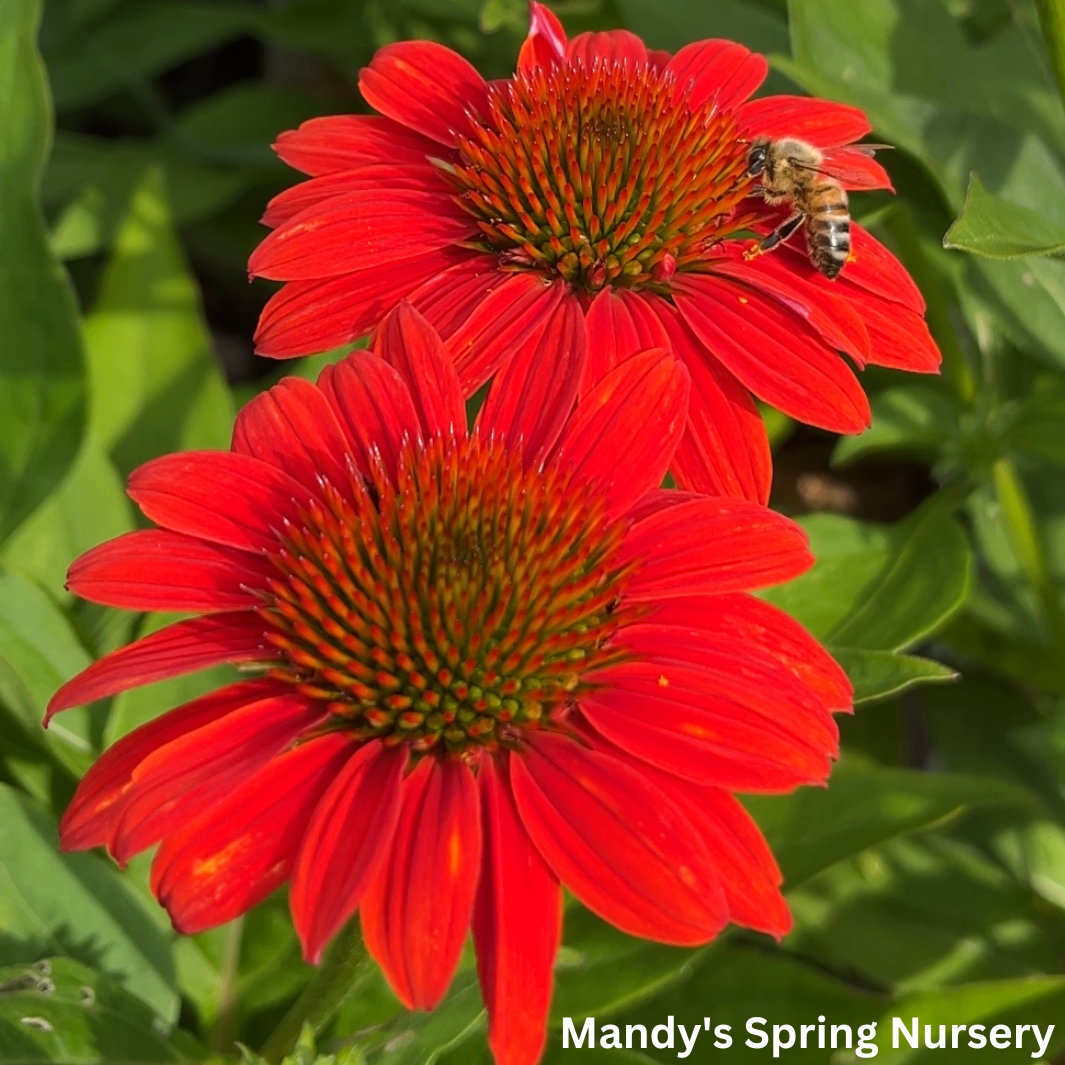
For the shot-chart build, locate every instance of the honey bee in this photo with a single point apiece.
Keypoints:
(792, 171)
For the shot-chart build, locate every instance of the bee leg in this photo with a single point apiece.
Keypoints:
(785, 230)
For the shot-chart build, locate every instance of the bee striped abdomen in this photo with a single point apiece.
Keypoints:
(828, 229)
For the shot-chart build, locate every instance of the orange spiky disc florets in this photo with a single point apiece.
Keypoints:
(453, 604)
(602, 174)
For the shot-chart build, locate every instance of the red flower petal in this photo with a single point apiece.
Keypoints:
(307, 317)
(348, 142)
(872, 267)
(179, 648)
(710, 710)
(822, 306)
(718, 70)
(617, 842)
(426, 87)
(232, 857)
(746, 868)
(546, 42)
(90, 818)
(220, 496)
(708, 546)
(374, 405)
(752, 622)
(774, 353)
(624, 432)
(345, 844)
(416, 911)
(821, 123)
(659, 499)
(748, 674)
(614, 335)
(532, 396)
(286, 205)
(348, 232)
(408, 343)
(293, 428)
(448, 298)
(152, 569)
(725, 449)
(612, 46)
(900, 337)
(517, 927)
(690, 732)
(511, 315)
(198, 769)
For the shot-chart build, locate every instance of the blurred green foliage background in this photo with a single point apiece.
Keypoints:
(929, 878)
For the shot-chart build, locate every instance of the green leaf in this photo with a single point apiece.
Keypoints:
(156, 386)
(989, 225)
(62, 23)
(1034, 852)
(421, 1038)
(957, 109)
(88, 507)
(42, 377)
(90, 180)
(497, 14)
(306, 1053)
(76, 904)
(216, 150)
(1037, 430)
(38, 652)
(734, 981)
(925, 581)
(984, 726)
(673, 23)
(1033, 1000)
(57, 1010)
(1019, 657)
(1004, 598)
(910, 419)
(876, 591)
(601, 970)
(850, 554)
(139, 41)
(880, 674)
(243, 120)
(917, 913)
(271, 972)
(866, 805)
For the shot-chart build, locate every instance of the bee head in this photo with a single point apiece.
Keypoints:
(757, 158)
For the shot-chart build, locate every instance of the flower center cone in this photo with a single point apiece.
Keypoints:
(602, 175)
(449, 606)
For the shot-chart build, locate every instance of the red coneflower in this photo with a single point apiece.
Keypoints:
(491, 660)
(606, 178)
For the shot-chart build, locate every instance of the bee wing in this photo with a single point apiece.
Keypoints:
(852, 166)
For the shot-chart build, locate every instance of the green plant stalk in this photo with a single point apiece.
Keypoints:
(959, 375)
(1052, 22)
(346, 967)
(225, 1022)
(1031, 551)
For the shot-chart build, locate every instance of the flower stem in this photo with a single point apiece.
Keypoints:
(225, 1022)
(346, 967)
(1052, 21)
(1031, 551)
